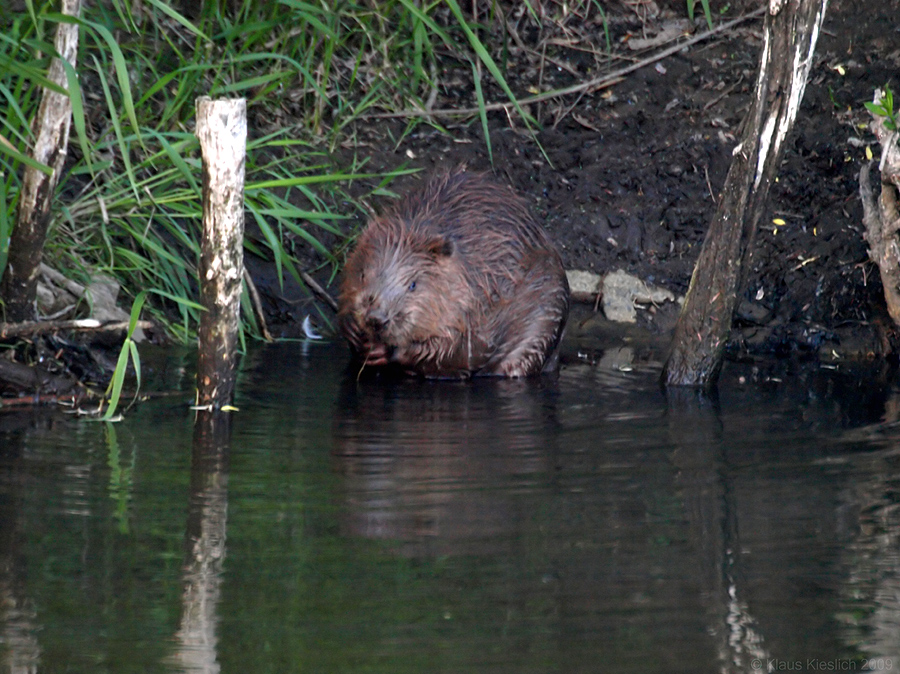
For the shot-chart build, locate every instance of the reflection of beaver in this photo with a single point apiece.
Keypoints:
(457, 281)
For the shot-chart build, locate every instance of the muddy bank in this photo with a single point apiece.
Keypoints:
(626, 177)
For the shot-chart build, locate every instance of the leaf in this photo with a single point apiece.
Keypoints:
(875, 108)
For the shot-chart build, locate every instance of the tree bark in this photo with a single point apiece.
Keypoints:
(881, 214)
(791, 31)
(18, 287)
(222, 131)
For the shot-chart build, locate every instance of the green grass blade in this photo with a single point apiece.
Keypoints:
(77, 111)
(707, 13)
(172, 14)
(129, 352)
(6, 226)
(114, 118)
(482, 111)
(114, 391)
(121, 69)
(487, 60)
(136, 360)
(183, 301)
(6, 148)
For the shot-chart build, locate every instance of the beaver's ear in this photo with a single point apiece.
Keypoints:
(440, 247)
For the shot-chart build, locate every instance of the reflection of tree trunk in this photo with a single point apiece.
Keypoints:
(51, 127)
(18, 634)
(709, 505)
(222, 131)
(18, 620)
(871, 589)
(791, 30)
(205, 544)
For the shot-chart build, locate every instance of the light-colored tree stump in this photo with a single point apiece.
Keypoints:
(222, 131)
(18, 287)
(698, 346)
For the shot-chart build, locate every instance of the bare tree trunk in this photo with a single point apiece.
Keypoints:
(881, 215)
(222, 130)
(18, 287)
(791, 31)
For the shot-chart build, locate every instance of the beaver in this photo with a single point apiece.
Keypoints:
(456, 281)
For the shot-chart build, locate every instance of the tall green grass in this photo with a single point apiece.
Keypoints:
(129, 202)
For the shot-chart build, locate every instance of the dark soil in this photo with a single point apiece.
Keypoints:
(632, 172)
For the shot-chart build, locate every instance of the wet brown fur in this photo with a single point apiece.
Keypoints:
(458, 280)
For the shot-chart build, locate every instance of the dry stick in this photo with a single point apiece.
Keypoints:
(9, 330)
(712, 194)
(41, 399)
(256, 301)
(725, 93)
(318, 290)
(597, 83)
(562, 114)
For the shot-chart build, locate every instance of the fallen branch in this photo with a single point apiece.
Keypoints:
(27, 378)
(39, 400)
(318, 290)
(27, 328)
(256, 302)
(602, 82)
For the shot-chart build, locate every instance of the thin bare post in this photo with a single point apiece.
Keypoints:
(18, 288)
(222, 131)
(791, 31)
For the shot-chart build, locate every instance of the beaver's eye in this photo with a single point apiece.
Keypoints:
(412, 286)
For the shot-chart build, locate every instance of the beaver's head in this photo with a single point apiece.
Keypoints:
(401, 286)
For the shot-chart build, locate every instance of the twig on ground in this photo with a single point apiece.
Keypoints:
(318, 290)
(40, 399)
(8, 330)
(256, 301)
(725, 93)
(595, 84)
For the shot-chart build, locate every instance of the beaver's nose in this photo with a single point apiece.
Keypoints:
(376, 319)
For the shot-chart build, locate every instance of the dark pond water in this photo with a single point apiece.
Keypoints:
(587, 524)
